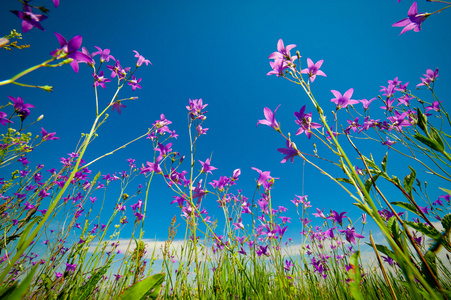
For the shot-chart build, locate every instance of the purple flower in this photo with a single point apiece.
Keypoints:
(56, 3)
(141, 59)
(398, 121)
(351, 234)
(388, 143)
(288, 265)
(206, 168)
(413, 21)
(70, 267)
(138, 215)
(3, 119)
(69, 50)
(135, 83)
(283, 53)
(29, 19)
(337, 217)
(195, 109)
(21, 108)
(58, 275)
(319, 213)
(278, 66)
(366, 103)
(263, 178)
(263, 251)
(100, 79)
(270, 119)
(104, 54)
(48, 136)
(117, 105)
(435, 106)
(238, 225)
(305, 122)
(429, 77)
(313, 69)
(289, 152)
(345, 100)
(118, 70)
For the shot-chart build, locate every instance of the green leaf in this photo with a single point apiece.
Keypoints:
(91, 284)
(436, 137)
(26, 232)
(430, 258)
(429, 142)
(369, 182)
(384, 163)
(446, 222)
(385, 250)
(19, 292)
(370, 162)
(405, 205)
(355, 276)
(425, 229)
(409, 180)
(392, 224)
(422, 121)
(143, 288)
(446, 191)
(347, 180)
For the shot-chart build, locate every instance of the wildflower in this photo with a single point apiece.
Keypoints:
(435, 106)
(238, 225)
(270, 119)
(139, 216)
(337, 217)
(388, 143)
(283, 53)
(264, 176)
(58, 275)
(305, 122)
(288, 265)
(29, 19)
(195, 109)
(399, 121)
(48, 136)
(69, 50)
(21, 108)
(141, 59)
(70, 267)
(263, 251)
(413, 21)
(278, 66)
(313, 69)
(3, 119)
(100, 80)
(28, 206)
(104, 54)
(135, 83)
(206, 168)
(289, 152)
(117, 105)
(342, 101)
(319, 213)
(118, 71)
(430, 76)
(351, 234)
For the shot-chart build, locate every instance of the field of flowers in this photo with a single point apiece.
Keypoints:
(250, 257)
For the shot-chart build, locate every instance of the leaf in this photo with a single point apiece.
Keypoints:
(392, 224)
(385, 250)
(25, 232)
(436, 137)
(446, 191)
(409, 180)
(347, 180)
(430, 258)
(370, 162)
(428, 142)
(446, 222)
(91, 284)
(369, 182)
(422, 121)
(355, 276)
(425, 229)
(141, 289)
(384, 163)
(405, 205)
(19, 292)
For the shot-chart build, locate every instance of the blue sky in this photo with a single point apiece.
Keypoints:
(218, 51)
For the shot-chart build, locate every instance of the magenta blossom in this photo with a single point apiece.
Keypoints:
(3, 119)
(413, 21)
(135, 83)
(104, 54)
(29, 19)
(305, 122)
(313, 69)
(141, 59)
(429, 77)
(48, 136)
(69, 50)
(117, 105)
(345, 100)
(282, 52)
(270, 119)
(289, 152)
(206, 168)
(351, 234)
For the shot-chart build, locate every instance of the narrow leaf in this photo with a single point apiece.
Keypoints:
(405, 205)
(26, 232)
(20, 291)
(140, 289)
(355, 276)
(428, 142)
(425, 229)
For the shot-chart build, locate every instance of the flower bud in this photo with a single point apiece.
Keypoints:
(3, 42)
(40, 118)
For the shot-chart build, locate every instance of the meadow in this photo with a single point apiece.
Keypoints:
(76, 232)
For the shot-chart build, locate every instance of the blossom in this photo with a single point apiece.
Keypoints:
(351, 234)
(117, 105)
(278, 66)
(399, 121)
(104, 54)
(366, 103)
(118, 70)
(69, 50)
(206, 168)
(270, 119)
(337, 217)
(345, 100)
(154, 167)
(413, 21)
(100, 80)
(29, 19)
(305, 122)
(289, 152)
(195, 109)
(264, 176)
(283, 53)
(313, 69)
(3, 119)
(135, 83)
(56, 3)
(21, 108)
(48, 136)
(388, 143)
(141, 59)
(429, 77)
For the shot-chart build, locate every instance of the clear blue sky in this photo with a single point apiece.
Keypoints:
(218, 51)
